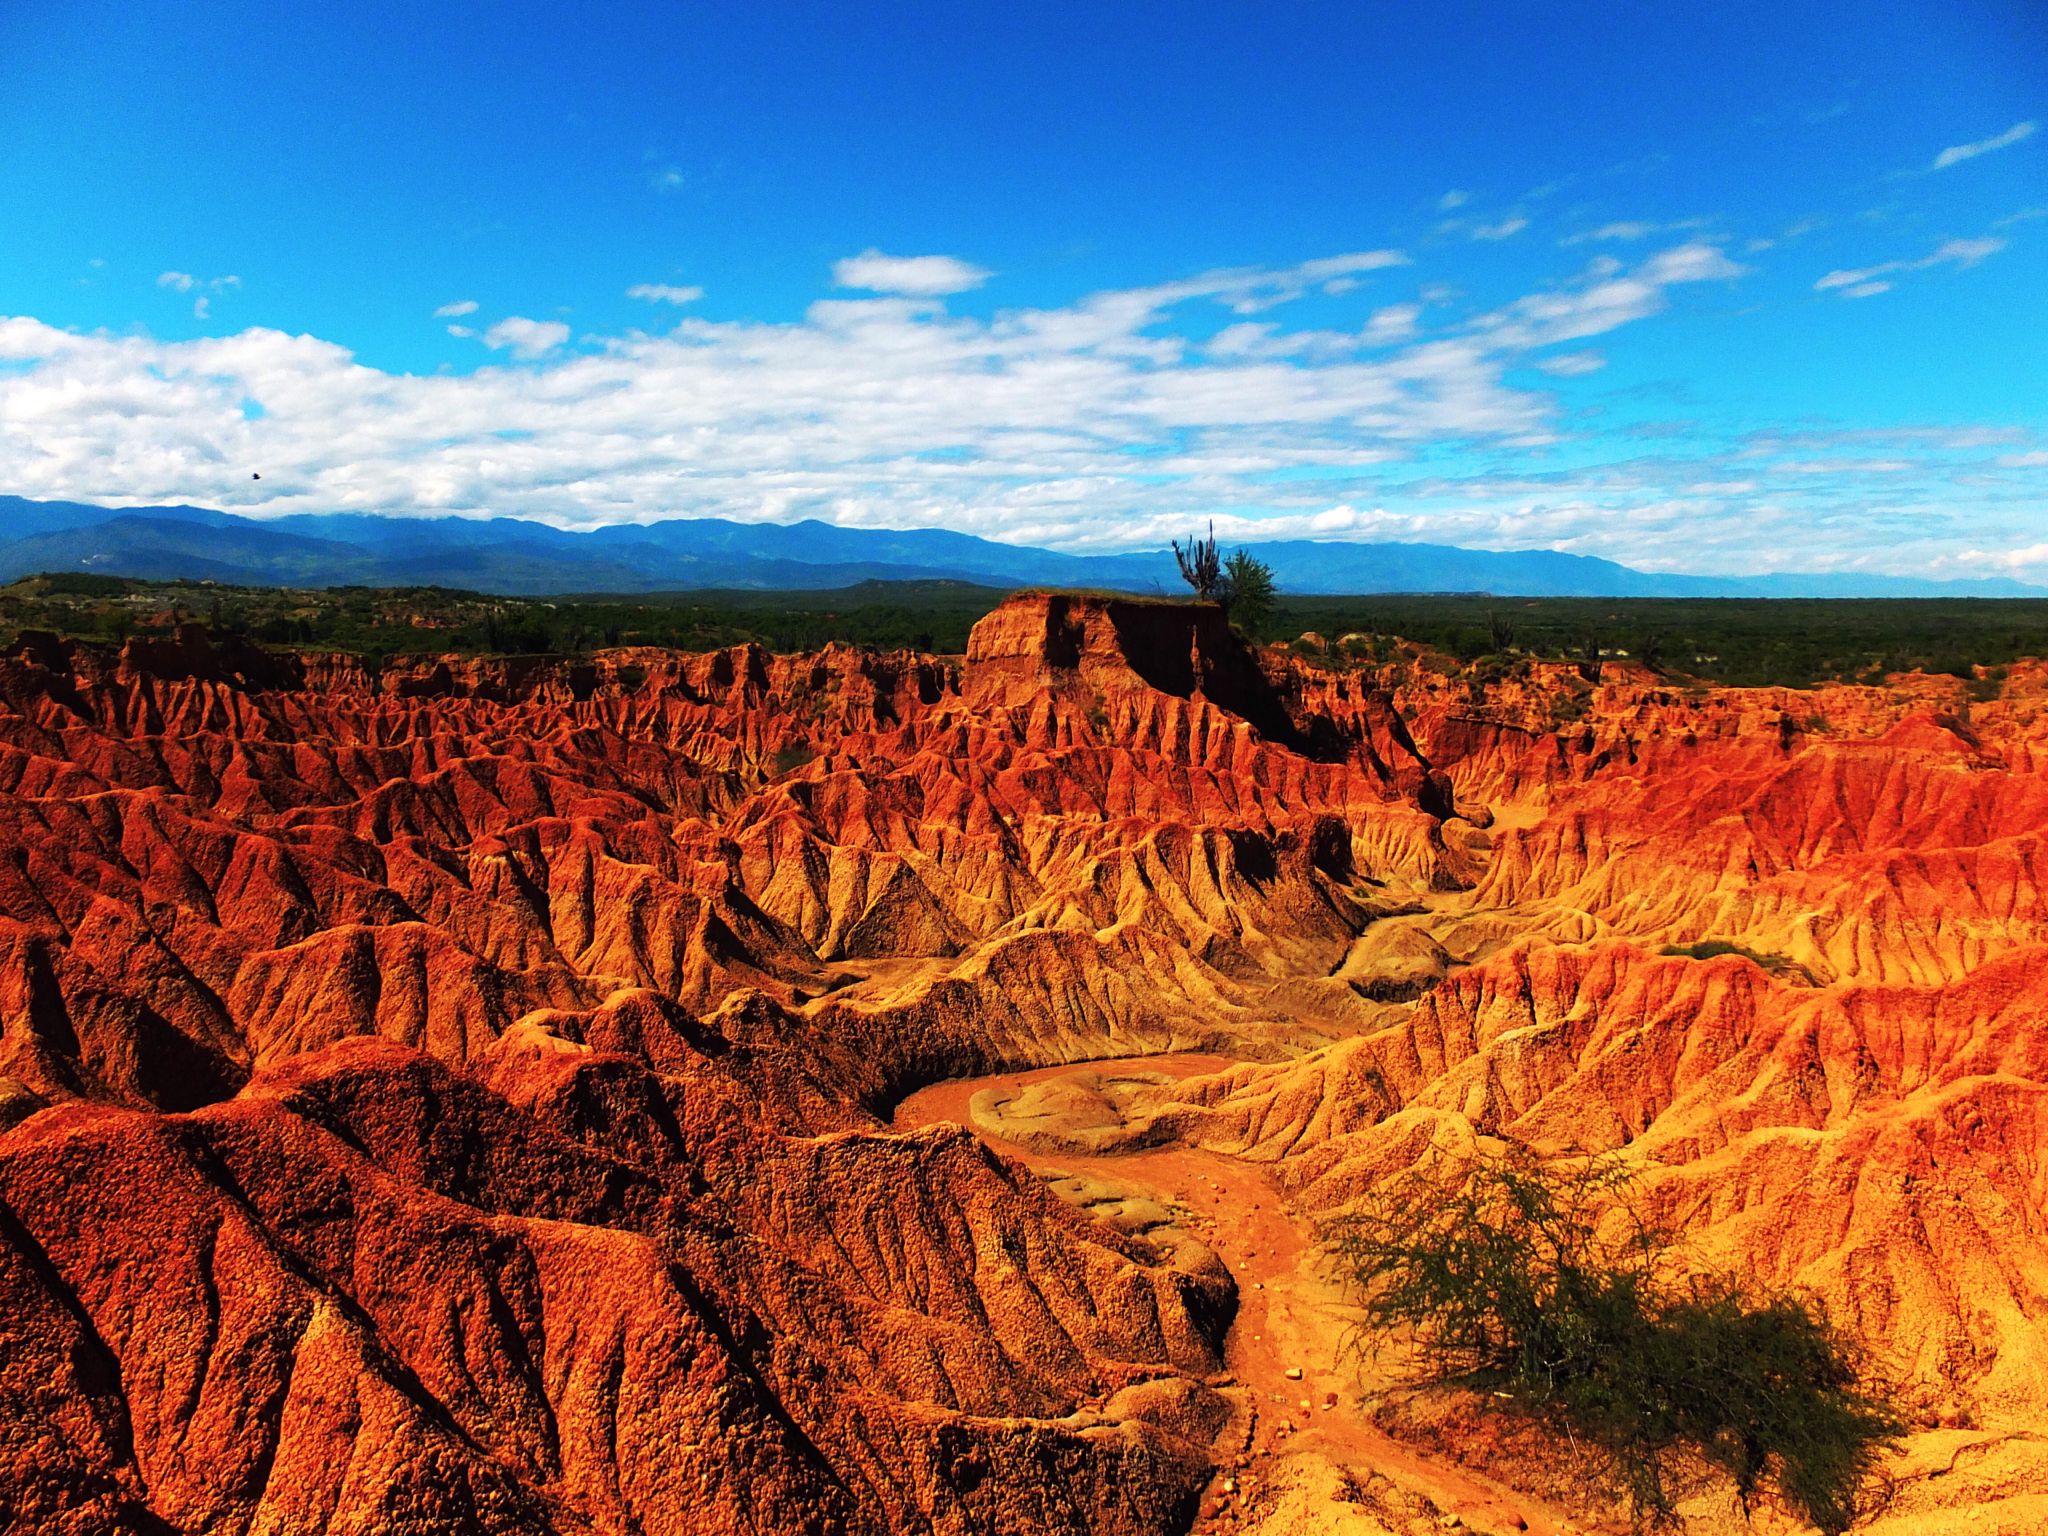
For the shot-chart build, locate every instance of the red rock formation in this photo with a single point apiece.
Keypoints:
(444, 1099)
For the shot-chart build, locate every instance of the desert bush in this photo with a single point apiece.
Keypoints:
(1783, 967)
(1568, 709)
(1500, 633)
(1249, 582)
(1539, 1281)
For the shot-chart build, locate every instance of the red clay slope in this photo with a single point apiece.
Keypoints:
(446, 1100)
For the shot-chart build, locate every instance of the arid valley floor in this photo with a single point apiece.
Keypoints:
(859, 1092)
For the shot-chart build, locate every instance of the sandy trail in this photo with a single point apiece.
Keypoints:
(1291, 1317)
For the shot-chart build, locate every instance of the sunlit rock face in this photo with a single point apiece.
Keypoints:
(454, 1098)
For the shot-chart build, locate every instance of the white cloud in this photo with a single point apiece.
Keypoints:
(1608, 295)
(1245, 339)
(1691, 263)
(668, 178)
(2026, 557)
(1060, 423)
(1642, 229)
(185, 282)
(1452, 199)
(664, 293)
(1248, 292)
(1626, 230)
(1514, 224)
(1845, 466)
(456, 310)
(1955, 154)
(915, 276)
(461, 330)
(527, 338)
(1862, 282)
(1573, 365)
(200, 307)
(1091, 424)
(1395, 322)
(2024, 461)
(1968, 252)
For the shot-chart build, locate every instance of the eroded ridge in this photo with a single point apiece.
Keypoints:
(456, 1097)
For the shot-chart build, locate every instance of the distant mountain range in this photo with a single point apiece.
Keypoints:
(515, 557)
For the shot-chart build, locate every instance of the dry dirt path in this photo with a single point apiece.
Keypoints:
(1291, 1317)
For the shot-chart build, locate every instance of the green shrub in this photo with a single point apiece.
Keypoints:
(1568, 709)
(1540, 1282)
(1781, 966)
(1249, 581)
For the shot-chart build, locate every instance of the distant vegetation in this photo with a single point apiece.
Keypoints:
(1541, 1284)
(1795, 642)
(1713, 949)
(1740, 642)
(921, 615)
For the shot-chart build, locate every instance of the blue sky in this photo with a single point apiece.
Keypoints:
(1697, 287)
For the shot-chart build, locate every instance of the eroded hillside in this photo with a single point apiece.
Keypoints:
(459, 1097)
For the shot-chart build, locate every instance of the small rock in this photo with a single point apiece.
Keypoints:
(1294, 1373)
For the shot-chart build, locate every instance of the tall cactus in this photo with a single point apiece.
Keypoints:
(1201, 567)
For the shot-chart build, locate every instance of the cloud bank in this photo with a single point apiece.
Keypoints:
(1104, 423)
